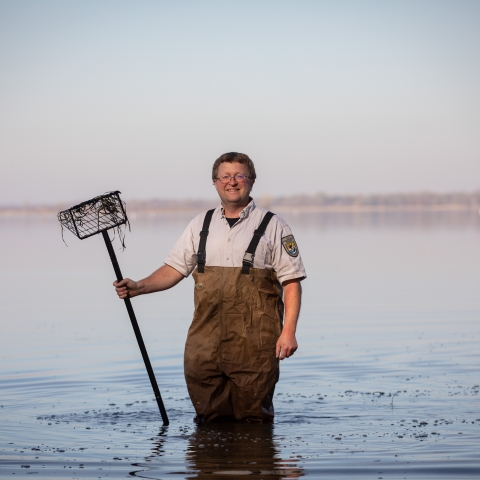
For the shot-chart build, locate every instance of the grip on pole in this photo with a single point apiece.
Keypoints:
(136, 329)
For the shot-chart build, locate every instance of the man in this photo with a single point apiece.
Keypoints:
(242, 258)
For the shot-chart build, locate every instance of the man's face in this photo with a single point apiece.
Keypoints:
(234, 192)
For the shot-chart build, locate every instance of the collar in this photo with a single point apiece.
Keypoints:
(244, 213)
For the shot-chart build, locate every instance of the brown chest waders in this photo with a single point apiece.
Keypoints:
(230, 364)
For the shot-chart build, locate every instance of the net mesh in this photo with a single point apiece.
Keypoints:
(96, 215)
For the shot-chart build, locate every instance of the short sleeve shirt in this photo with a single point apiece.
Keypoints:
(277, 249)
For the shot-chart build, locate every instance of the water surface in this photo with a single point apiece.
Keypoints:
(385, 383)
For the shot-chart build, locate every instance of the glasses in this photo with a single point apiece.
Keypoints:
(239, 177)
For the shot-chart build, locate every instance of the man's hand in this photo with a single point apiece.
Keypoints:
(126, 288)
(286, 345)
(162, 279)
(292, 296)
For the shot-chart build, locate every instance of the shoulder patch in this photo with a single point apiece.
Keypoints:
(290, 245)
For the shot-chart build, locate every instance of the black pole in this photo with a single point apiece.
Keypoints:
(136, 329)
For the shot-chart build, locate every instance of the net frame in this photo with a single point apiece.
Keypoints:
(94, 216)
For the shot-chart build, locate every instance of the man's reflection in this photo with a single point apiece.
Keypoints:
(238, 450)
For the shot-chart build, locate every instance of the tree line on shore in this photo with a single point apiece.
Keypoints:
(464, 200)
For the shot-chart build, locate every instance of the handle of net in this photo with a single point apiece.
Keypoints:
(136, 329)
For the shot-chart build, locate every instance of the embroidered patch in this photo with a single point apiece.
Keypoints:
(290, 245)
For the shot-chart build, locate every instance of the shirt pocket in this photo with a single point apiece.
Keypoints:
(260, 255)
(263, 256)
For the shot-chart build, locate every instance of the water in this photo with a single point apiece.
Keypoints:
(385, 383)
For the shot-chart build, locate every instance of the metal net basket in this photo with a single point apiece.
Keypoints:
(95, 216)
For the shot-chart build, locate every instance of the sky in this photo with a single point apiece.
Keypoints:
(325, 96)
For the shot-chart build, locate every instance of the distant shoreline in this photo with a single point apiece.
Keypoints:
(296, 204)
(283, 209)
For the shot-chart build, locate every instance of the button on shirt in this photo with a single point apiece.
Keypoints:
(226, 246)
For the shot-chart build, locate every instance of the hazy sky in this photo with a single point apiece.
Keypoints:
(142, 96)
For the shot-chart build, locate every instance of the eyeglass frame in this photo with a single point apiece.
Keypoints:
(234, 178)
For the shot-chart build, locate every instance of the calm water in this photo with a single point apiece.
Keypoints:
(385, 383)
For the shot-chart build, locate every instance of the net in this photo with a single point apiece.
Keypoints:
(96, 215)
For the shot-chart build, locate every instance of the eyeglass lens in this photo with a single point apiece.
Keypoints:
(240, 177)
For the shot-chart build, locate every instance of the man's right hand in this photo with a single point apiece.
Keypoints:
(162, 279)
(126, 288)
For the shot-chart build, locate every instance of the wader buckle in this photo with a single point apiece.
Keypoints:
(248, 258)
(201, 258)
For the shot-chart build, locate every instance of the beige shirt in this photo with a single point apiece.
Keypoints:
(226, 246)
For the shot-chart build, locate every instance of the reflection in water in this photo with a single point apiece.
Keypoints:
(220, 450)
(237, 450)
(421, 219)
(407, 219)
(158, 448)
(144, 469)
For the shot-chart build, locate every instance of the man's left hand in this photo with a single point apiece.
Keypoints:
(286, 345)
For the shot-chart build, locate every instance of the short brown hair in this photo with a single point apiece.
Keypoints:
(234, 157)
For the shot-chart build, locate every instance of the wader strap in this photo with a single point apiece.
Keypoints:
(203, 241)
(257, 235)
